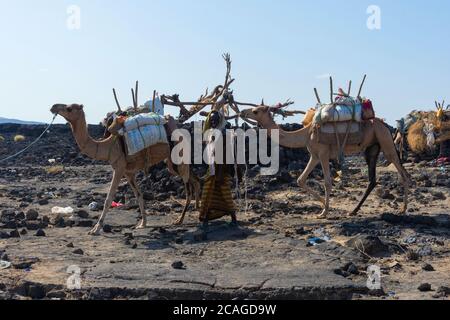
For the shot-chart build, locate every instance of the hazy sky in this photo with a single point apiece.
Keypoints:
(280, 49)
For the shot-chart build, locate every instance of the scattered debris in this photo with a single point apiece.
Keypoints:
(93, 206)
(60, 210)
(4, 264)
(116, 205)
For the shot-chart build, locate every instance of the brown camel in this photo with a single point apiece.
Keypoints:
(377, 137)
(111, 150)
(436, 122)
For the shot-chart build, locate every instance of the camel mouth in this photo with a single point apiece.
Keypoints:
(247, 114)
(57, 108)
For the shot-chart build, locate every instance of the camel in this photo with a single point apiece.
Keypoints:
(111, 150)
(432, 122)
(376, 138)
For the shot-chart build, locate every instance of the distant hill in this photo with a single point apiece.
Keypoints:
(5, 120)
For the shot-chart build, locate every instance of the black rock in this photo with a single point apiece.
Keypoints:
(43, 202)
(84, 223)
(40, 233)
(437, 195)
(14, 234)
(8, 215)
(424, 287)
(351, 268)
(70, 245)
(36, 291)
(107, 228)
(341, 272)
(33, 225)
(31, 215)
(82, 214)
(78, 251)
(10, 225)
(25, 263)
(57, 294)
(20, 216)
(45, 220)
(443, 290)
(370, 245)
(59, 222)
(23, 232)
(412, 255)
(178, 265)
(4, 235)
(428, 267)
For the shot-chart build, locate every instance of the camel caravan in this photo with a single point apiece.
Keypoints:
(141, 136)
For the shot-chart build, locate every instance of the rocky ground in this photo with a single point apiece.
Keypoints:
(280, 249)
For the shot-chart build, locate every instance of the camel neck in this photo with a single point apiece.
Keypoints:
(289, 139)
(97, 150)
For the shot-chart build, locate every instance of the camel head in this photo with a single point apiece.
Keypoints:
(116, 124)
(261, 114)
(264, 114)
(440, 114)
(71, 113)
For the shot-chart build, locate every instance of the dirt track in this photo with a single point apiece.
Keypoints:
(266, 257)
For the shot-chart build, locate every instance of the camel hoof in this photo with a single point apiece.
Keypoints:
(95, 231)
(323, 215)
(353, 214)
(178, 222)
(141, 225)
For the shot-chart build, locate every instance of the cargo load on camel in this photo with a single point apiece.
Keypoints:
(339, 123)
(143, 131)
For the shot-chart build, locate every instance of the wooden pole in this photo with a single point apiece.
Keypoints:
(153, 101)
(317, 96)
(331, 89)
(117, 101)
(361, 87)
(134, 98)
(136, 93)
(349, 88)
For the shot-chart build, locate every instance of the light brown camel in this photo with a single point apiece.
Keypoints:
(111, 150)
(377, 137)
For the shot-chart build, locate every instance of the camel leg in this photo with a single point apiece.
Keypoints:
(391, 155)
(371, 155)
(195, 184)
(313, 162)
(140, 197)
(404, 177)
(325, 162)
(117, 176)
(188, 191)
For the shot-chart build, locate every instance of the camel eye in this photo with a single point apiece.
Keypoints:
(69, 109)
(255, 112)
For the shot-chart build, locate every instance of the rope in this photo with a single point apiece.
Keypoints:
(31, 144)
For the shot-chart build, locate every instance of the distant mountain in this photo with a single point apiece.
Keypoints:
(5, 120)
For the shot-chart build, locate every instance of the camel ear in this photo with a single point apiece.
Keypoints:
(81, 106)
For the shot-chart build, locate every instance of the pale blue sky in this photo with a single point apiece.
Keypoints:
(280, 50)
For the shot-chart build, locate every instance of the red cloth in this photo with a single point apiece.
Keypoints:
(367, 110)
